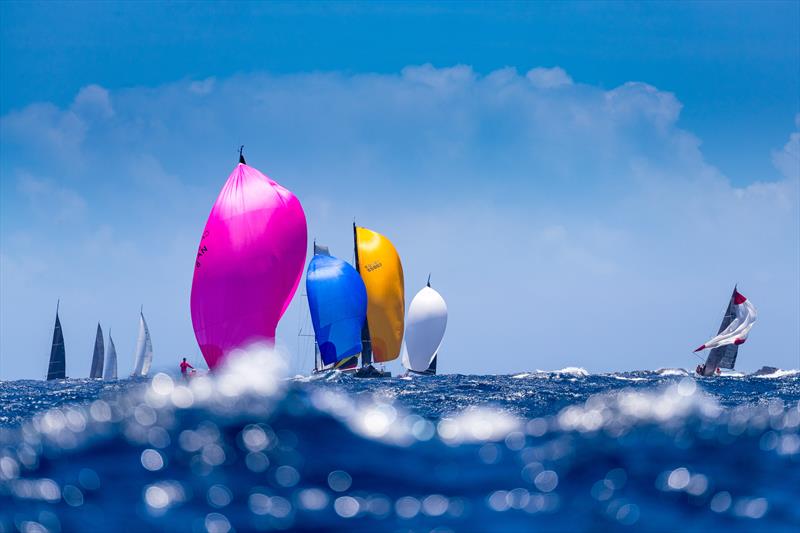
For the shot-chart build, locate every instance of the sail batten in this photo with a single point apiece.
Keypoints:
(57, 367)
(98, 356)
(380, 268)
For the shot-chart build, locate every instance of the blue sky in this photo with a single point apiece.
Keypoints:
(586, 181)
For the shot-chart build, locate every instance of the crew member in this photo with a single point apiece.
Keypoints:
(185, 366)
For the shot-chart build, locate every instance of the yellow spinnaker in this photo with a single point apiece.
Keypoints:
(382, 272)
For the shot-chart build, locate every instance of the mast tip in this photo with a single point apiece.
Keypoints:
(241, 155)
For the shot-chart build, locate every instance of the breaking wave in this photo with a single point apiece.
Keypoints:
(242, 452)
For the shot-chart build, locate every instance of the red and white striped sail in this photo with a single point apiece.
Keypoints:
(737, 330)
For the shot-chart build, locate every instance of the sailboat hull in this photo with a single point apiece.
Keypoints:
(370, 371)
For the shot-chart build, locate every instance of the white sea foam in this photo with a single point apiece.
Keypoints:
(672, 372)
(626, 378)
(778, 374)
(570, 370)
(730, 373)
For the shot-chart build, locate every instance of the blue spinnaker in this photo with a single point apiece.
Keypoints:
(337, 299)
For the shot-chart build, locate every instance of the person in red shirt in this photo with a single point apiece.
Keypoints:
(185, 366)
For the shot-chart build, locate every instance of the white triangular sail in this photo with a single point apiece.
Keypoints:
(98, 357)
(110, 368)
(144, 350)
(426, 322)
(737, 330)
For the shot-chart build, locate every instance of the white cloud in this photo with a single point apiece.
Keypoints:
(548, 78)
(203, 86)
(43, 127)
(556, 222)
(93, 101)
(51, 201)
(787, 160)
(440, 78)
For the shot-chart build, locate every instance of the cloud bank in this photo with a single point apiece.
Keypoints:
(565, 224)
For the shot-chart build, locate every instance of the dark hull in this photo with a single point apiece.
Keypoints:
(370, 371)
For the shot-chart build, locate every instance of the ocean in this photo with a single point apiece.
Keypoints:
(538, 451)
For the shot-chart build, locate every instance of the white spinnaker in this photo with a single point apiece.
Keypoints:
(144, 350)
(425, 324)
(737, 330)
(110, 369)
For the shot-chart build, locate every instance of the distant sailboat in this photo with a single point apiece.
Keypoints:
(379, 265)
(98, 356)
(337, 301)
(425, 326)
(57, 369)
(110, 370)
(736, 324)
(249, 263)
(144, 350)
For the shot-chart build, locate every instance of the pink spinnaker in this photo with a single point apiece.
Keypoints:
(249, 263)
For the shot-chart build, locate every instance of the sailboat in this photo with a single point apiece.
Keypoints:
(143, 356)
(379, 265)
(425, 326)
(98, 356)
(337, 301)
(110, 369)
(249, 263)
(57, 369)
(736, 324)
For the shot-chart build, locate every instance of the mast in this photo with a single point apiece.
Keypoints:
(366, 343)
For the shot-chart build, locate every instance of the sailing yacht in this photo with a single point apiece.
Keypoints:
(379, 265)
(110, 367)
(57, 368)
(143, 356)
(249, 263)
(337, 302)
(98, 356)
(736, 324)
(425, 326)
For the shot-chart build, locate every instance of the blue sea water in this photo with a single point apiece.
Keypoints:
(540, 451)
